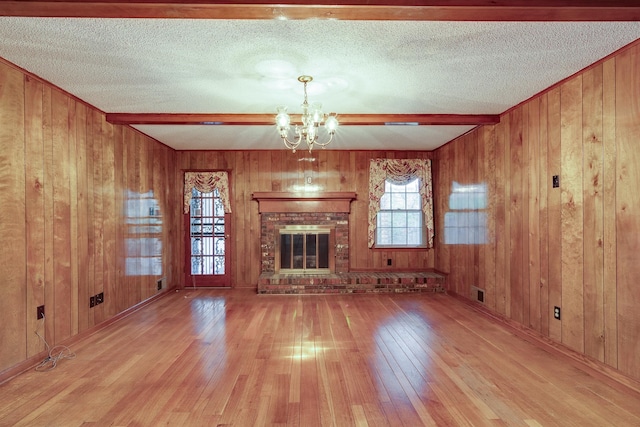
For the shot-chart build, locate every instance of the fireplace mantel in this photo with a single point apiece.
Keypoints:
(282, 201)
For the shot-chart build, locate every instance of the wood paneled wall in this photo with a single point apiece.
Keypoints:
(74, 196)
(74, 188)
(575, 247)
(281, 170)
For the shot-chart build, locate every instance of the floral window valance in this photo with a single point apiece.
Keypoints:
(400, 171)
(206, 182)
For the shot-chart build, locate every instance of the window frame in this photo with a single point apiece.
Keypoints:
(389, 183)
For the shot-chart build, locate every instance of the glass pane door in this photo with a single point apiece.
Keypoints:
(207, 240)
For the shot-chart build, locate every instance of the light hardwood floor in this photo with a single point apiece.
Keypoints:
(212, 358)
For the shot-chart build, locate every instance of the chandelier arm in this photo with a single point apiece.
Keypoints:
(292, 145)
(324, 144)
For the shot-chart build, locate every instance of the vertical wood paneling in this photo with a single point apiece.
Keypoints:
(502, 217)
(442, 182)
(380, 257)
(150, 280)
(135, 211)
(241, 215)
(98, 215)
(471, 251)
(49, 158)
(73, 212)
(91, 234)
(532, 179)
(554, 200)
(13, 332)
(313, 170)
(255, 183)
(544, 179)
(62, 215)
(627, 208)
(517, 241)
(346, 169)
(572, 214)
(526, 303)
(130, 144)
(489, 143)
(482, 178)
(454, 255)
(593, 213)
(58, 165)
(34, 207)
(109, 221)
(358, 257)
(119, 304)
(158, 184)
(277, 170)
(332, 171)
(574, 247)
(609, 213)
(82, 209)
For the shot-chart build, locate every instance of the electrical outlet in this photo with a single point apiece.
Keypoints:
(556, 312)
(40, 312)
(388, 261)
(92, 301)
(159, 283)
(477, 294)
(100, 298)
(556, 181)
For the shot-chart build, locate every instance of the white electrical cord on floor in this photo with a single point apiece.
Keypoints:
(50, 362)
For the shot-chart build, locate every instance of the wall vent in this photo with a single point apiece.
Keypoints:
(477, 294)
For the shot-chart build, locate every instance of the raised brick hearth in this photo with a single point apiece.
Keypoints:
(361, 282)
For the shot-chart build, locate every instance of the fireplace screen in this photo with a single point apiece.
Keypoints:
(305, 249)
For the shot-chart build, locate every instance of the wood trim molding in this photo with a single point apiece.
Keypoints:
(269, 119)
(289, 202)
(408, 10)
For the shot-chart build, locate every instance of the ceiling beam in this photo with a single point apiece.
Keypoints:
(408, 10)
(269, 119)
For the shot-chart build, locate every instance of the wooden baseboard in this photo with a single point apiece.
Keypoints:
(593, 367)
(33, 361)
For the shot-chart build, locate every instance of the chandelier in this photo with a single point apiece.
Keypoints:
(308, 131)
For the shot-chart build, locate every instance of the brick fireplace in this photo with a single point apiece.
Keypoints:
(330, 210)
(279, 210)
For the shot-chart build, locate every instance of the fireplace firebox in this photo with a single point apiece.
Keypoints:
(305, 249)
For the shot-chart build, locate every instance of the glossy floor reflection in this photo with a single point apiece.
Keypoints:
(234, 358)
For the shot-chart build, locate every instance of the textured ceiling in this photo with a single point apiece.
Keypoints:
(359, 67)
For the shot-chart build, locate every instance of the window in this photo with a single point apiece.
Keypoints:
(400, 219)
(407, 183)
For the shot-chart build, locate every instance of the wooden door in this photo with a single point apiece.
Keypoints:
(207, 238)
